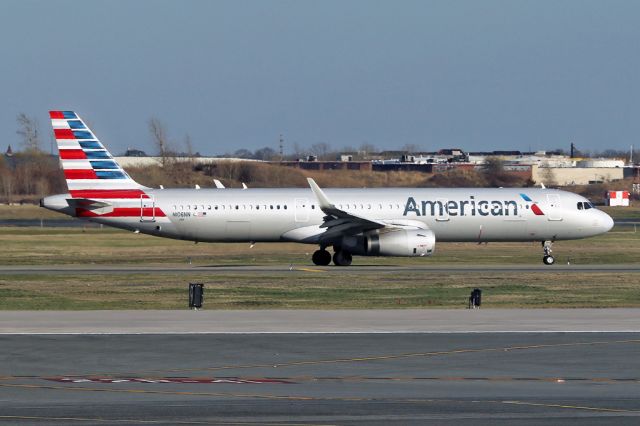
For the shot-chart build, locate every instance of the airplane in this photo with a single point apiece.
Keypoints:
(361, 222)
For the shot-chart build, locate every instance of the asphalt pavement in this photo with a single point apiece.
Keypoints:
(321, 379)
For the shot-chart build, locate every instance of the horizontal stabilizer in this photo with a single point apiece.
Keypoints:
(98, 207)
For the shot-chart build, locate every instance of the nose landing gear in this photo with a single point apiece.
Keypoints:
(547, 259)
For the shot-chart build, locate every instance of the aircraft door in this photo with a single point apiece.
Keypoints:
(301, 210)
(147, 209)
(553, 205)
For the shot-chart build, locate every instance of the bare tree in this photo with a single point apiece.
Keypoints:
(549, 177)
(410, 148)
(321, 150)
(188, 146)
(265, 154)
(160, 140)
(493, 166)
(28, 130)
(366, 149)
(6, 181)
(298, 150)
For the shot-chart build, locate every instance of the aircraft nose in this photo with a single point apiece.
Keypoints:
(606, 222)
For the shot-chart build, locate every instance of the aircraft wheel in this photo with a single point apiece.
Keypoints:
(321, 258)
(548, 260)
(342, 258)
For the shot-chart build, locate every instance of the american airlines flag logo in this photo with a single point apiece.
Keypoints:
(534, 206)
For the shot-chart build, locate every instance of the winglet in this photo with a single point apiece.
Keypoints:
(323, 201)
(219, 184)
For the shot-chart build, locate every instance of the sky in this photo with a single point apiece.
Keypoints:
(478, 75)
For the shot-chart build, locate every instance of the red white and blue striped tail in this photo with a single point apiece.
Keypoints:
(90, 170)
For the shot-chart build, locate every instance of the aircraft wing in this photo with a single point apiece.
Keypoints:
(339, 222)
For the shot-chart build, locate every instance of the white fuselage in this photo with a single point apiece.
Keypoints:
(460, 214)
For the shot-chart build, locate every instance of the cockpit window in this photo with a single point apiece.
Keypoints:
(585, 205)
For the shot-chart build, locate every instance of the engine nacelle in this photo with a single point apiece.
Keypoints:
(407, 243)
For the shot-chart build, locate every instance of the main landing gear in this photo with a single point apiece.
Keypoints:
(547, 259)
(321, 257)
(340, 258)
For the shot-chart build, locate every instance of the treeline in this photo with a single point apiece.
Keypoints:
(26, 176)
(31, 174)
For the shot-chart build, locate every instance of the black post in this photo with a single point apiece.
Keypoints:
(196, 295)
(475, 300)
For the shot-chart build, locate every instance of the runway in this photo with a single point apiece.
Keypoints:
(321, 379)
(280, 268)
(340, 321)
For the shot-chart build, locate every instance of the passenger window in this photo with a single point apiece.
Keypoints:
(258, 207)
(237, 207)
(278, 206)
(271, 206)
(174, 206)
(208, 207)
(285, 206)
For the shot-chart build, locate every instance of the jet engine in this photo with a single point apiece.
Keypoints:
(407, 243)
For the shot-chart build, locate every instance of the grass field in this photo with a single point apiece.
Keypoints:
(334, 289)
(42, 246)
(313, 290)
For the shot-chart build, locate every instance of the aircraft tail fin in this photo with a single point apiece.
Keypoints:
(90, 170)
